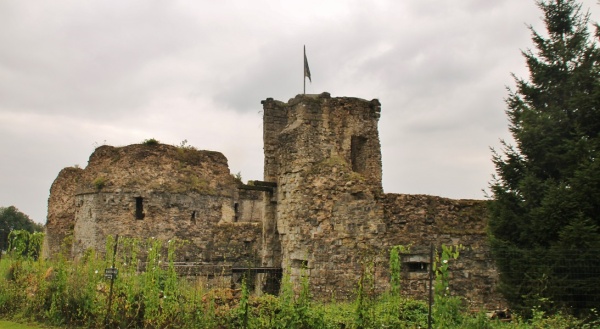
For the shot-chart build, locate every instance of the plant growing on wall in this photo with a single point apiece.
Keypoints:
(446, 308)
(99, 182)
(395, 267)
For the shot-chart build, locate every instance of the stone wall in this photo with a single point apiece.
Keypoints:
(327, 214)
(164, 192)
(61, 212)
(249, 207)
(420, 221)
(320, 210)
(331, 219)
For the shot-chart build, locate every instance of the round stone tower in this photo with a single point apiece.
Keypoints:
(161, 191)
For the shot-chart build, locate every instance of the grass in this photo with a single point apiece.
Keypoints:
(14, 325)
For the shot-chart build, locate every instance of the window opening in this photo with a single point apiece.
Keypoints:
(417, 266)
(139, 208)
(299, 263)
(358, 154)
(416, 263)
(236, 208)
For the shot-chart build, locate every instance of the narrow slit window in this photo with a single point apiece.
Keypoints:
(194, 215)
(139, 208)
(236, 209)
(358, 153)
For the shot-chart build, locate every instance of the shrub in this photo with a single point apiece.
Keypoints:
(99, 182)
(151, 142)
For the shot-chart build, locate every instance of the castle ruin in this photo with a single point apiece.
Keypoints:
(319, 209)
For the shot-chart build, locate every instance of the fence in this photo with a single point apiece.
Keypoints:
(552, 279)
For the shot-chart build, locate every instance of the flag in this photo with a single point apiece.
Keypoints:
(306, 69)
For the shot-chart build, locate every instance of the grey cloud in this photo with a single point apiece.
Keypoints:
(74, 73)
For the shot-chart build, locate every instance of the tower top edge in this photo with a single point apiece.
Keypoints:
(318, 97)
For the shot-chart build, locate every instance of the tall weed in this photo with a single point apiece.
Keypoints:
(75, 294)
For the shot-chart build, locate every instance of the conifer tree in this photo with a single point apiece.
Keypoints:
(545, 213)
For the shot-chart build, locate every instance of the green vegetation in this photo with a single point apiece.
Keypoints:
(76, 294)
(151, 142)
(238, 177)
(545, 214)
(447, 308)
(12, 219)
(99, 183)
(189, 180)
(189, 155)
(21, 243)
(185, 146)
(14, 325)
(199, 185)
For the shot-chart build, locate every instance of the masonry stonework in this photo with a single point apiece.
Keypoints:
(159, 191)
(319, 210)
(332, 218)
(61, 212)
(327, 213)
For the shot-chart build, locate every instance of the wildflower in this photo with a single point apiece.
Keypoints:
(96, 271)
(445, 261)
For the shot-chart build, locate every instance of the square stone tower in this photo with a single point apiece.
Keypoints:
(324, 155)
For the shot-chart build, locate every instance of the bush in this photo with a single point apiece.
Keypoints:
(99, 182)
(150, 142)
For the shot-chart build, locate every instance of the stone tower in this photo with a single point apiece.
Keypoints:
(162, 191)
(324, 155)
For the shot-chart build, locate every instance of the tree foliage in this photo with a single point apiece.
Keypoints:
(21, 244)
(545, 217)
(12, 219)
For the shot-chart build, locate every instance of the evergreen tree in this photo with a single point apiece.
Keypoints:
(12, 219)
(545, 215)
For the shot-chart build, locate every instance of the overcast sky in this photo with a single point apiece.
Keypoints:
(75, 75)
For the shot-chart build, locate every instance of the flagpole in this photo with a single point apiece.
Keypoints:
(306, 70)
(304, 73)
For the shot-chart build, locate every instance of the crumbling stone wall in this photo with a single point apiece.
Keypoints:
(331, 219)
(420, 221)
(320, 209)
(164, 192)
(249, 207)
(327, 214)
(61, 212)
